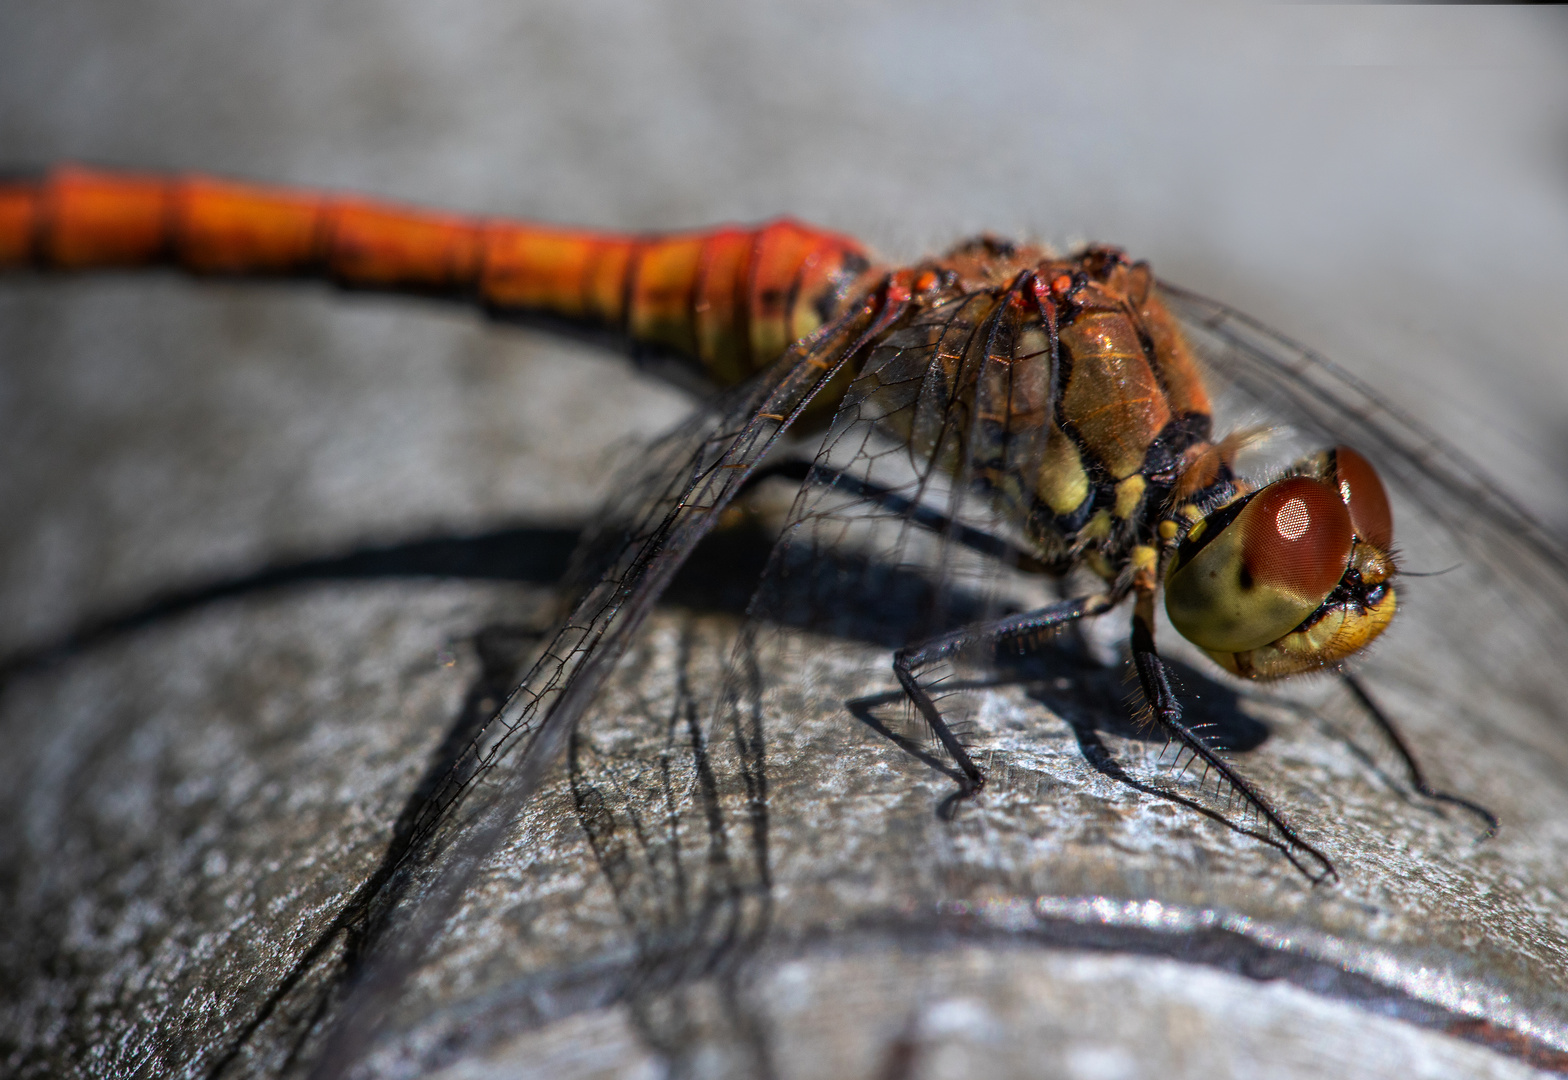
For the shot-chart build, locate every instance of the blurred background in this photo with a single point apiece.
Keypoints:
(1387, 184)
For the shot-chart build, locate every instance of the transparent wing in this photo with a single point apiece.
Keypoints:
(1482, 643)
(903, 529)
(663, 507)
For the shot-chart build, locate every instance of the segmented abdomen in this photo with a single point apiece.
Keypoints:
(731, 298)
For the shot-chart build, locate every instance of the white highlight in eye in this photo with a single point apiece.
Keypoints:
(1344, 491)
(1292, 519)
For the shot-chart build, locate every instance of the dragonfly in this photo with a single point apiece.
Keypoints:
(990, 450)
(1003, 417)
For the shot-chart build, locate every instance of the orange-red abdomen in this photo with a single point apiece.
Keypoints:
(733, 299)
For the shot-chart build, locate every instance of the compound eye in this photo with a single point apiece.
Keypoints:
(1296, 537)
(1266, 571)
(1363, 493)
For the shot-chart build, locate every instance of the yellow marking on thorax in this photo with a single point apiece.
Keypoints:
(1129, 496)
(1145, 562)
(1061, 482)
(1098, 527)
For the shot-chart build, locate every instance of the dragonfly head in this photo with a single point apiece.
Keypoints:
(1292, 577)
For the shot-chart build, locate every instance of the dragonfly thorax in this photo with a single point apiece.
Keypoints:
(1062, 389)
(1059, 386)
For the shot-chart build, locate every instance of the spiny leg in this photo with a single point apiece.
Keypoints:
(862, 709)
(964, 771)
(1413, 770)
(1154, 678)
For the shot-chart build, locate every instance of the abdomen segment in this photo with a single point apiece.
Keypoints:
(731, 298)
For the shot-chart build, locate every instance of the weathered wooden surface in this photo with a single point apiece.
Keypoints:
(191, 802)
(204, 799)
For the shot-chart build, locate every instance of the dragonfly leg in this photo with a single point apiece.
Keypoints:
(1165, 710)
(963, 770)
(1412, 769)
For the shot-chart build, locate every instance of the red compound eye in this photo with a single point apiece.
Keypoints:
(1297, 536)
(1362, 491)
